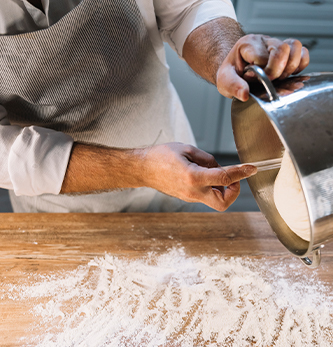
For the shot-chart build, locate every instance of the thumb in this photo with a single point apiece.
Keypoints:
(230, 84)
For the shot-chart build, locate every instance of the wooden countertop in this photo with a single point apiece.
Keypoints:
(39, 243)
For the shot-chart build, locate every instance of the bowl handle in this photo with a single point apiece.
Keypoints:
(316, 258)
(262, 77)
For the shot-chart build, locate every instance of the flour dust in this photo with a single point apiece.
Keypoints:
(173, 299)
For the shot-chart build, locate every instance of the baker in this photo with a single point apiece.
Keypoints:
(90, 121)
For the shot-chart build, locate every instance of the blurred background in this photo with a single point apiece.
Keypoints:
(310, 21)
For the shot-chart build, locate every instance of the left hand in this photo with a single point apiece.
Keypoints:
(279, 59)
(192, 175)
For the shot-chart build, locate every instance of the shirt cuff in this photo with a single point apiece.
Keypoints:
(38, 161)
(196, 16)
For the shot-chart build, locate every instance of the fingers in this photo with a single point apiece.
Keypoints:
(298, 58)
(253, 50)
(285, 57)
(278, 58)
(220, 187)
(190, 174)
(211, 184)
(295, 55)
(228, 194)
(199, 157)
(221, 176)
(221, 198)
(305, 60)
(229, 77)
(279, 55)
(230, 84)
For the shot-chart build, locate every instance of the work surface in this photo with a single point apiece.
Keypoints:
(37, 244)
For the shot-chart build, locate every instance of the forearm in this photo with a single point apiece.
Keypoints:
(207, 46)
(95, 168)
(175, 169)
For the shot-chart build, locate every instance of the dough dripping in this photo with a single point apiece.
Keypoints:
(289, 199)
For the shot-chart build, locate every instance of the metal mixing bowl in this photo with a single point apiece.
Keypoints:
(295, 114)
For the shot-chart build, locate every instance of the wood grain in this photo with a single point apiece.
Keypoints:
(43, 243)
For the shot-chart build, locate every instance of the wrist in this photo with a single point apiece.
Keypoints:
(208, 45)
(138, 167)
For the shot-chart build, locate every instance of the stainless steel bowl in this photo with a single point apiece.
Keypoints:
(295, 114)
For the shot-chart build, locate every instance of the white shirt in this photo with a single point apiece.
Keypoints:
(34, 159)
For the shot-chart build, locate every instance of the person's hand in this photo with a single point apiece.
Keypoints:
(192, 175)
(279, 59)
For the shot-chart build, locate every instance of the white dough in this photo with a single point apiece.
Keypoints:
(289, 199)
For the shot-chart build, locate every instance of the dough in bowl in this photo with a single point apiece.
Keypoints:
(289, 199)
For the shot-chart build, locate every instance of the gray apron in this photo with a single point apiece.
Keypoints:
(95, 76)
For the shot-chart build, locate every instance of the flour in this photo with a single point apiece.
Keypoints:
(172, 299)
(289, 199)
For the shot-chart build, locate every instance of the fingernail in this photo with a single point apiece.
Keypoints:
(242, 95)
(250, 170)
(239, 94)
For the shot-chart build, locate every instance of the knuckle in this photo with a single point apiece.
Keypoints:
(189, 149)
(305, 51)
(211, 160)
(210, 156)
(293, 42)
(297, 44)
(285, 48)
(249, 40)
(251, 37)
(225, 179)
(305, 54)
(282, 49)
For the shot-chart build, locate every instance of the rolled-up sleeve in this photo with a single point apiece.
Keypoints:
(177, 19)
(33, 159)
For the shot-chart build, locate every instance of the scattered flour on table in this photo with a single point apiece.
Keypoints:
(173, 299)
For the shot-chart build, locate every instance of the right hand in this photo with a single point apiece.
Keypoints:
(192, 175)
(279, 59)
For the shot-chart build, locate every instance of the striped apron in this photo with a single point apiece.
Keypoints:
(95, 76)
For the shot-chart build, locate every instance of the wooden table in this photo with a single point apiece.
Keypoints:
(39, 243)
